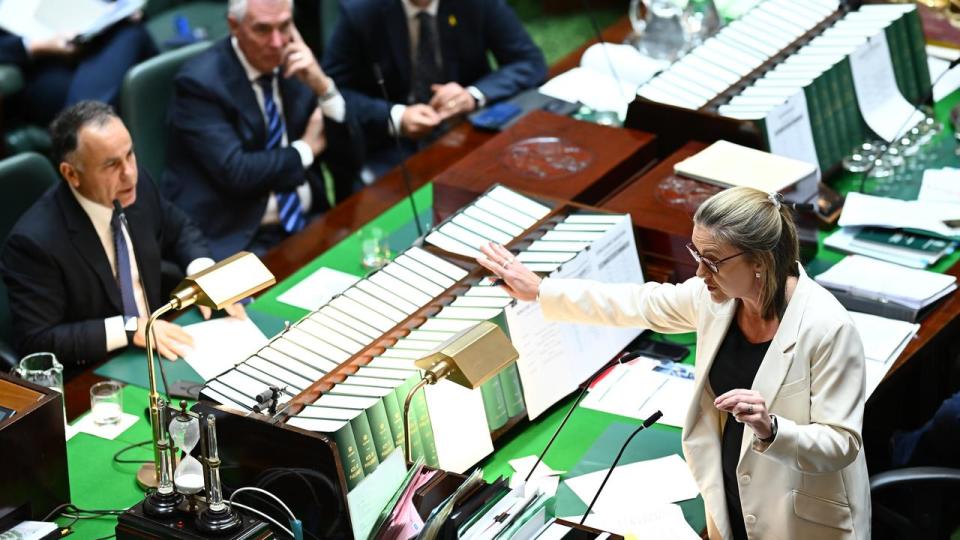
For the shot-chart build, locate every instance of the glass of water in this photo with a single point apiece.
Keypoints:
(106, 402)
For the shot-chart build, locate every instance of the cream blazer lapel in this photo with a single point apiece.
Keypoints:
(779, 357)
(701, 430)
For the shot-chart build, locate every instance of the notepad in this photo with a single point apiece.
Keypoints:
(728, 165)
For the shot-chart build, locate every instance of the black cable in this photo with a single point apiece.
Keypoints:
(125, 449)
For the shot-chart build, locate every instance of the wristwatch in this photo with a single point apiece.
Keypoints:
(130, 324)
(773, 430)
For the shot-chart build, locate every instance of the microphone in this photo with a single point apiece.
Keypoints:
(926, 97)
(646, 423)
(405, 173)
(625, 357)
(118, 208)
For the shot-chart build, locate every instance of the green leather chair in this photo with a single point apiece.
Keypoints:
(23, 179)
(144, 98)
(207, 16)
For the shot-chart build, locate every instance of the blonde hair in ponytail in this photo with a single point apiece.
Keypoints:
(758, 224)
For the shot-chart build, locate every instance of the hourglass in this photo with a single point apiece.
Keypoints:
(185, 433)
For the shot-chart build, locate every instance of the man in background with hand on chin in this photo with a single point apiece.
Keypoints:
(250, 121)
(82, 265)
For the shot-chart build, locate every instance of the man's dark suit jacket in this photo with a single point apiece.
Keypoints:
(369, 31)
(58, 277)
(217, 168)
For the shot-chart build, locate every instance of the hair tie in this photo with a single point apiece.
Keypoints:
(775, 199)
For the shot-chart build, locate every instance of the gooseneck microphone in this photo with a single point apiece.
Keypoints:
(651, 420)
(404, 172)
(625, 357)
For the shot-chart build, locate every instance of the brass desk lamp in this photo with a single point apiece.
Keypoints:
(469, 358)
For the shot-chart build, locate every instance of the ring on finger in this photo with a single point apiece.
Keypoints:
(749, 409)
(451, 104)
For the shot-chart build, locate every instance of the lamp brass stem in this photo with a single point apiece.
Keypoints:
(406, 417)
(155, 423)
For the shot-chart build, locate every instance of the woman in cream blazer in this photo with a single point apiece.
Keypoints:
(801, 471)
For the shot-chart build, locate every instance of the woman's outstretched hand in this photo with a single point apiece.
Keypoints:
(518, 280)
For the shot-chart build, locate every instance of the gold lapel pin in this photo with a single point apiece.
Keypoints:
(452, 20)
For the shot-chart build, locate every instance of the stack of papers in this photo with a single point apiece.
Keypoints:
(45, 19)
(884, 282)
(220, 344)
(883, 341)
(655, 522)
(638, 389)
(940, 186)
(938, 218)
(607, 78)
(892, 245)
(727, 164)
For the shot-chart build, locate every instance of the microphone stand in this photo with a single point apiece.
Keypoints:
(646, 423)
(404, 172)
(625, 357)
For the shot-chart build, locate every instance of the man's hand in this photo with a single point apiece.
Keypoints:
(170, 340)
(299, 62)
(313, 135)
(233, 310)
(418, 121)
(451, 100)
(61, 45)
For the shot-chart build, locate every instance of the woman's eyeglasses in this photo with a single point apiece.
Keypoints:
(711, 265)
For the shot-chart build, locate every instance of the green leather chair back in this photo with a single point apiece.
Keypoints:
(23, 179)
(144, 98)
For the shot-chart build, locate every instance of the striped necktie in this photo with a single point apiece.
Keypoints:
(288, 202)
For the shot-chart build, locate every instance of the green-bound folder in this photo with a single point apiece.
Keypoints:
(512, 390)
(494, 404)
(360, 422)
(342, 434)
(376, 413)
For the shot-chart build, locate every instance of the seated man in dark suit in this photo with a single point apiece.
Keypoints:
(434, 58)
(250, 119)
(81, 277)
(58, 73)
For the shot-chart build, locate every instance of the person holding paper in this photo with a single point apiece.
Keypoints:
(59, 73)
(83, 277)
(773, 434)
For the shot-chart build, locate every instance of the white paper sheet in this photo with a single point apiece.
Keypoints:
(461, 433)
(219, 344)
(870, 278)
(106, 431)
(639, 389)
(789, 132)
(655, 481)
(656, 522)
(863, 210)
(883, 341)
(317, 289)
(940, 186)
(368, 498)
(882, 105)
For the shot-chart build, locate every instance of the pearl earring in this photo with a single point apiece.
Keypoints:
(758, 275)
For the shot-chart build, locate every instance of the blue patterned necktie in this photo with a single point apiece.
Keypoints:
(288, 202)
(124, 273)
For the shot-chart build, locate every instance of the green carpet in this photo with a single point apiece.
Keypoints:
(559, 34)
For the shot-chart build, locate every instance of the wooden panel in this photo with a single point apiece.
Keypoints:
(662, 229)
(549, 155)
(17, 397)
